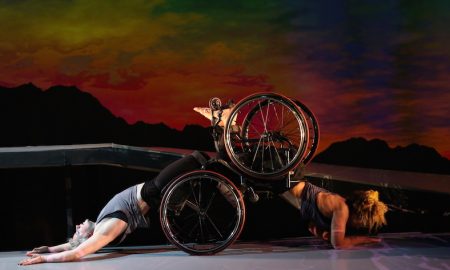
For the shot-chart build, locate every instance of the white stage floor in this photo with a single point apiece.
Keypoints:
(396, 251)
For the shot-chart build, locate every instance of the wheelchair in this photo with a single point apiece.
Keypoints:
(265, 138)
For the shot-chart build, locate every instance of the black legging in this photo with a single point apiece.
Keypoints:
(151, 191)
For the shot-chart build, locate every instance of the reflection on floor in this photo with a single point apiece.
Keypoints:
(396, 251)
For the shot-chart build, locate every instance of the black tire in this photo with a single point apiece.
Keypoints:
(202, 212)
(313, 130)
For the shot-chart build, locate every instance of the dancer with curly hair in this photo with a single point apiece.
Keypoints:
(330, 215)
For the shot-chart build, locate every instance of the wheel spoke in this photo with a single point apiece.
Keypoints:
(270, 154)
(200, 193)
(267, 114)
(193, 206)
(289, 121)
(193, 193)
(262, 117)
(279, 158)
(256, 152)
(202, 233)
(255, 129)
(262, 155)
(214, 226)
(210, 201)
(276, 114)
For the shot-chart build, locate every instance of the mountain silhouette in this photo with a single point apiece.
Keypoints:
(376, 153)
(66, 115)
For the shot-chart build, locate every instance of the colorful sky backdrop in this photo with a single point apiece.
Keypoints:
(373, 69)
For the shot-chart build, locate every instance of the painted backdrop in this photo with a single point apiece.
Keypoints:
(373, 69)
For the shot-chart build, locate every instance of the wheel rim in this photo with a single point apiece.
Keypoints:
(273, 136)
(196, 215)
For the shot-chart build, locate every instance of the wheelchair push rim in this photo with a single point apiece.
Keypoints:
(202, 212)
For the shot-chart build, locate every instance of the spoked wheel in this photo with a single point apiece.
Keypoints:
(273, 135)
(202, 212)
(313, 131)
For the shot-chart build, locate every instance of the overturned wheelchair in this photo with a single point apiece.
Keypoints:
(265, 137)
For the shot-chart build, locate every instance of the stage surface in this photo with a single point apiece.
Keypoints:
(396, 251)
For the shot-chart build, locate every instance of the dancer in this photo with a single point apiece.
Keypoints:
(330, 215)
(125, 212)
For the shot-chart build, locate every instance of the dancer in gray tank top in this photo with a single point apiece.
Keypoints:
(126, 206)
(125, 212)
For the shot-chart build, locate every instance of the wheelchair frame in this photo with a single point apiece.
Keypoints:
(266, 138)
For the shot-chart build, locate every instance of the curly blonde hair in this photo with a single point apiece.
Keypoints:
(367, 211)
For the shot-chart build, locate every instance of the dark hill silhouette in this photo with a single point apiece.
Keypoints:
(359, 152)
(65, 115)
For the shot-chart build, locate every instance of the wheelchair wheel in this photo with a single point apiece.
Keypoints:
(272, 138)
(202, 212)
(313, 131)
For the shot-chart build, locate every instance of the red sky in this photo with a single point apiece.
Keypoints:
(365, 70)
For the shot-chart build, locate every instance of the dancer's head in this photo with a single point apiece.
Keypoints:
(366, 210)
(82, 233)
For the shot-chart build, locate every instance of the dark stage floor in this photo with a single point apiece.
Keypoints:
(396, 251)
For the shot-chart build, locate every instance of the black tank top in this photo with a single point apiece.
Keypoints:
(308, 206)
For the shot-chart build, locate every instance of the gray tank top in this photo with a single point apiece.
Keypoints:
(126, 202)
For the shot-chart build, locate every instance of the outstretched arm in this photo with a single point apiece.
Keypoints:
(47, 249)
(104, 233)
(338, 224)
